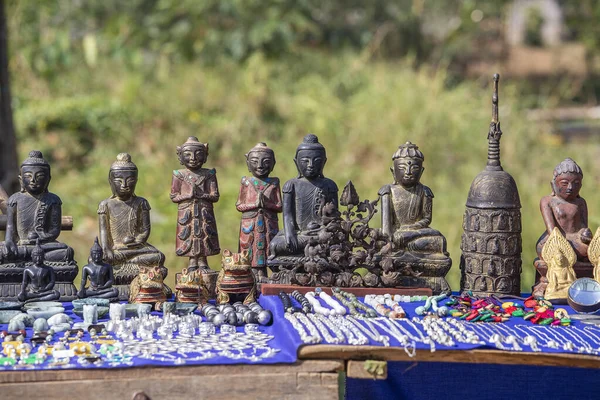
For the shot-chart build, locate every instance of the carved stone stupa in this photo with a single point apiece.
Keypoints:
(491, 242)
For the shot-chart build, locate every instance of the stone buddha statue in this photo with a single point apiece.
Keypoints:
(34, 214)
(124, 220)
(406, 214)
(100, 275)
(38, 279)
(304, 199)
(566, 210)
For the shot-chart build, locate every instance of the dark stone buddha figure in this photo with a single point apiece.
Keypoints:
(38, 279)
(34, 214)
(304, 198)
(100, 275)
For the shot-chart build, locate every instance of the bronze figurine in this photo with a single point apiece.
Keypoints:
(304, 198)
(195, 190)
(38, 279)
(259, 201)
(491, 243)
(100, 275)
(566, 210)
(32, 215)
(406, 213)
(124, 220)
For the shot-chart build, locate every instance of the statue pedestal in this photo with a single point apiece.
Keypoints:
(413, 269)
(11, 278)
(582, 270)
(408, 270)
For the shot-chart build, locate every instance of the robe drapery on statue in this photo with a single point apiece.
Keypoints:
(259, 202)
(411, 212)
(196, 223)
(308, 199)
(126, 219)
(40, 215)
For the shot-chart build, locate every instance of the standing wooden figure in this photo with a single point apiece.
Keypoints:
(195, 189)
(259, 202)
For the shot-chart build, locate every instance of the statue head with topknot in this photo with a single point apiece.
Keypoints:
(310, 158)
(123, 177)
(35, 174)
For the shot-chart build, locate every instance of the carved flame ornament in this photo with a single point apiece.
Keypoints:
(560, 258)
(594, 254)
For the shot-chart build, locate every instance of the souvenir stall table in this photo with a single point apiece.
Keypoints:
(300, 370)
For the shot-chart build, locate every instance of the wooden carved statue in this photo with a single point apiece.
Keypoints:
(566, 210)
(259, 202)
(195, 190)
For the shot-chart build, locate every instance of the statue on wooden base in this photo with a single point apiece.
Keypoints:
(33, 218)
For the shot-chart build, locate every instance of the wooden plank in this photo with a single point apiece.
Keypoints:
(451, 356)
(274, 289)
(160, 372)
(66, 223)
(171, 385)
(369, 369)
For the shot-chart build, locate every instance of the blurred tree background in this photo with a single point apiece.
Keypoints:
(91, 79)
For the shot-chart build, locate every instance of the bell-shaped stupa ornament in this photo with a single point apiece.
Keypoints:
(491, 243)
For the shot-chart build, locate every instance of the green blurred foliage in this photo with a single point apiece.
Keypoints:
(92, 79)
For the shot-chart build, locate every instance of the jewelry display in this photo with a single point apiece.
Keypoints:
(331, 302)
(302, 332)
(316, 305)
(299, 297)
(352, 303)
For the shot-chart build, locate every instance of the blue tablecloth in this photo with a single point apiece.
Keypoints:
(284, 340)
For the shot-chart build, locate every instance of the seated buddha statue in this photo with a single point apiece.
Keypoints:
(406, 207)
(38, 279)
(406, 213)
(304, 198)
(124, 220)
(100, 275)
(34, 214)
(564, 209)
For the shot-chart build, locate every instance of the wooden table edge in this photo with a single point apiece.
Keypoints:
(478, 356)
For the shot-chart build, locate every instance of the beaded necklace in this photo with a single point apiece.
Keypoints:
(304, 336)
(351, 301)
(323, 329)
(370, 330)
(331, 302)
(316, 305)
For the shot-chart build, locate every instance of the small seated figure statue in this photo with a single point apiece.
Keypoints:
(303, 200)
(34, 213)
(560, 258)
(195, 190)
(100, 275)
(124, 220)
(406, 214)
(566, 210)
(38, 279)
(259, 202)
